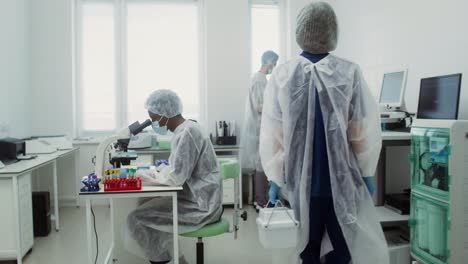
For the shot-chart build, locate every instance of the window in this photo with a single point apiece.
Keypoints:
(265, 19)
(126, 50)
(98, 68)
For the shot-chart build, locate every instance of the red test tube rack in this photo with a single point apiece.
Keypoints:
(122, 184)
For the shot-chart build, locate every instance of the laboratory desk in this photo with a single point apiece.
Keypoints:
(222, 151)
(15, 193)
(146, 192)
(389, 139)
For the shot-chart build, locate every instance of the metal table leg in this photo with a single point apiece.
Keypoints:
(175, 226)
(56, 202)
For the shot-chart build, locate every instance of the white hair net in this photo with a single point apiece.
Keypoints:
(164, 103)
(317, 28)
(269, 57)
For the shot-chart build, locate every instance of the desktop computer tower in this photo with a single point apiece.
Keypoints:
(41, 213)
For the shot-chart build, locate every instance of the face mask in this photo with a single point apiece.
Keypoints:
(161, 130)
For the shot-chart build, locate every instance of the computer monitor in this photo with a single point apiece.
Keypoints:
(393, 89)
(439, 97)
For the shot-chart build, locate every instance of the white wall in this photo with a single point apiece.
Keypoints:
(15, 96)
(51, 67)
(427, 36)
(228, 61)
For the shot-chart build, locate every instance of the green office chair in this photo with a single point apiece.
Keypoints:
(229, 169)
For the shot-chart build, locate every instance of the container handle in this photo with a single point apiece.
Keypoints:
(279, 208)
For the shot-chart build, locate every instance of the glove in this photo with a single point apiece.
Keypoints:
(273, 193)
(370, 184)
(161, 167)
(148, 177)
(160, 162)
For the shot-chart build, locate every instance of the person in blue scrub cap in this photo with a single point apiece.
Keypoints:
(320, 142)
(192, 165)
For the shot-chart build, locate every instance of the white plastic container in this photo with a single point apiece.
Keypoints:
(277, 228)
(398, 248)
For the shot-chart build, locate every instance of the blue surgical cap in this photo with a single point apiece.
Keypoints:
(269, 57)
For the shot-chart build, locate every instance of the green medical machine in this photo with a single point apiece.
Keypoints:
(439, 191)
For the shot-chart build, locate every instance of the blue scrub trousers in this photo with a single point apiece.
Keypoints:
(322, 215)
(321, 212)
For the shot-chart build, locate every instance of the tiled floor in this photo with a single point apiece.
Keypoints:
(69, 245)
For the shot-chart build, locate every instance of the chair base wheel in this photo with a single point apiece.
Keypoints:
(244, 216)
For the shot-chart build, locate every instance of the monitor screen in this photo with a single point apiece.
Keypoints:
(439, 96)
(392, 85)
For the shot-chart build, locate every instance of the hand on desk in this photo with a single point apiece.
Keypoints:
(148, 177)
(161, 167)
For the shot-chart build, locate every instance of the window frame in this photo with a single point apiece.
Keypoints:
(283, 7)
(120, 67)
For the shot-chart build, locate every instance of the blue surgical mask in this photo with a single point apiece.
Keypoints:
(161, 130)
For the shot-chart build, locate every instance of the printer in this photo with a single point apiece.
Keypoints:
(10, 149)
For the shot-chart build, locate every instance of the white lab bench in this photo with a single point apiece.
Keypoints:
(88, 150)
(146, 192)
(16, 223)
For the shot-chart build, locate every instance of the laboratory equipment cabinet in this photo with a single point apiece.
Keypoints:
(16, 222)
(439, 191)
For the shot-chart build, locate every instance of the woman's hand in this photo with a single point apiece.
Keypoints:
(148, 177)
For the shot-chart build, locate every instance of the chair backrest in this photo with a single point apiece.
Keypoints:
(165, 144)
(229, 168)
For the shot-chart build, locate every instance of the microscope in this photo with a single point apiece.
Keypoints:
(114, 149)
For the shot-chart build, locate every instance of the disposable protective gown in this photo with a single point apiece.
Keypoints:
(193, 165)
(352, 128)
(251, 128)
